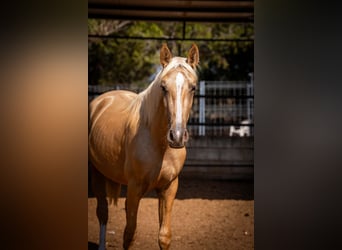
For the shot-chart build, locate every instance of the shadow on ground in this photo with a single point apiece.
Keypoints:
(204, 188)
(92, 246)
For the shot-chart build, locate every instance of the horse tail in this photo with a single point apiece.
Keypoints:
(113, 190)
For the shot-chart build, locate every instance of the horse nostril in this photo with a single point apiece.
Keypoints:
(171, 137)
(177, 137)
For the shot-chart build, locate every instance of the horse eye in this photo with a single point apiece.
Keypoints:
(193, 88)
(163, 88)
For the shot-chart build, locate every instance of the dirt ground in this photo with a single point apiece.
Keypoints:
(207, 214)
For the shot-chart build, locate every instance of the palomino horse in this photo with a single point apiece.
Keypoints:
(138, 140)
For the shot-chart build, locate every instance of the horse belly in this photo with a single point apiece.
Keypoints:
(108, 158)
(107, 134)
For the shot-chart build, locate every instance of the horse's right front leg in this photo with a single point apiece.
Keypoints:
(134, 194)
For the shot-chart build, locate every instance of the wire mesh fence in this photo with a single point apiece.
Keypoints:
(223, 109)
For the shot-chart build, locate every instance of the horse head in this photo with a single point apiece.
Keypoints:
(178, 83)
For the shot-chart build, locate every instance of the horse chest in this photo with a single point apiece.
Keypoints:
(172, 165)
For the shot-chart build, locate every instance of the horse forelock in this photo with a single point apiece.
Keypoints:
(175, 63)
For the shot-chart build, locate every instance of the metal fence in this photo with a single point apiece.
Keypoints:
(223, 109)
(220, 108)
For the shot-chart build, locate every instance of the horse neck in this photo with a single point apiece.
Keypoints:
(154, 114)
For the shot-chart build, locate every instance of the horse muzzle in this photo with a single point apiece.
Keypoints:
(177, 137)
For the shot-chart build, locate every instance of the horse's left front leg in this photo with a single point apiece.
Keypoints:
(166, 198)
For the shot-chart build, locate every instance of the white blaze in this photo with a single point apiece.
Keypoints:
(179, 86)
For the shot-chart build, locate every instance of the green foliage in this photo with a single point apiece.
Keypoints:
(228, 61)
(134, 61)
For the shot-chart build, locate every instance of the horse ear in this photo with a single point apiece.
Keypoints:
(193, 56)
(165, 55)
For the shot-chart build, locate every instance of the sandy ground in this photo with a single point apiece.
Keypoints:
(207, 214)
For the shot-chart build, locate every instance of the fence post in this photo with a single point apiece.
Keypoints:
(201, 128)
(250, 92)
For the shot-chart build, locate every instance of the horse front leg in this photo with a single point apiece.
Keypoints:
(134, 194)
(166, 198)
